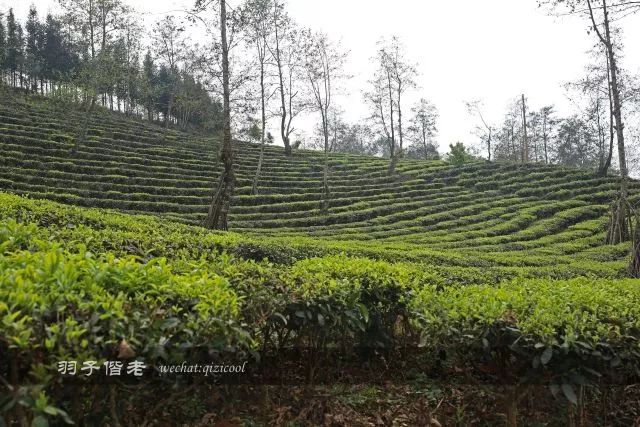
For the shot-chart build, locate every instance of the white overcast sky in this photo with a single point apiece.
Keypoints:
(493, 50)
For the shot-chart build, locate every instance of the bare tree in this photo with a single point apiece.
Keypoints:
(344, 137)
(170, 46)
(403, 75)
(82, 15)
(535, 123)
(548, 123)
(602, 14)
(287, 54)
(383, 104)
(324, 66)
(506, 146)
(595, 87)
(260, 31)
(423, 128)
(109, 15)
(131, 36)
(485, 131)
(525, 139)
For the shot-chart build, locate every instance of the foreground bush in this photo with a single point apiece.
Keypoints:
(564, 334)
(70, 289)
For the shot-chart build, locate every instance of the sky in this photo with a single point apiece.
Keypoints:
(491, 50)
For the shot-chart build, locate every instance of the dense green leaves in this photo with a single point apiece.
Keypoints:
(77, 283)
(482, 265)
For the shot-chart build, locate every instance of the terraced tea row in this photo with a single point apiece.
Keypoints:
(505, 214)
(78, 283)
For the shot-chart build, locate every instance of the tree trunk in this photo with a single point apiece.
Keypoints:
(91, 30)
(81, 138)
(512, 137)
(620, 224)
(400, 135)
(544, 139)
(525, 142)
(167, 118)
(392, 163)
(283, 112)
(254, 187)
(324, 205)
(221, 198)
(607, 164)
(619, 127)
(535, 145)
(634, 265)
(424, 143)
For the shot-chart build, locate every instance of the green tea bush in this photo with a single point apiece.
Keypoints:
(58, 305)
(558, 333)
(499, 267)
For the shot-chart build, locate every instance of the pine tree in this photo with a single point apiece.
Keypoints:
(133, 88)
(51, 50)
(164, 90)
(13, 48)
(121, 71)
(3, 46)
(60, 54)
(148, 84)
(33, 49)
(20, 54)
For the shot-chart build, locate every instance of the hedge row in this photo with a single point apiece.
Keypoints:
(88, 285)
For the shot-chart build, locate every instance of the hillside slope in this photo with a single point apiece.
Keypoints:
(468, 279)
(504, 214)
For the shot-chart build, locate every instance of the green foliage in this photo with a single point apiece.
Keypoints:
(458, 154)
(76, 283)
(561, 333)
(490, 264)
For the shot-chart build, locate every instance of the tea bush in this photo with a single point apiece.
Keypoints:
(496, 269)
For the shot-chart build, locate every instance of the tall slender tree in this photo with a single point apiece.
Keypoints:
(3, 48)
(423, 128)
(403, 74)
(14, 48)
(601, 15)
(59, 63)
(148, 84)
(547, 117)
(170, 46)
(217, 217)
(20, 55)
(506, 146)
(618, 230)
(128, 49)
(260, 32)
(324, 65)
(525, 137)
(34, 49)
(82, 16)
(594, 90)
(287, 55)
(382, 105)
(110, 15)
(485, 131)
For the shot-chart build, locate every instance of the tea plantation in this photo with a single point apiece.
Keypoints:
(486, 273)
